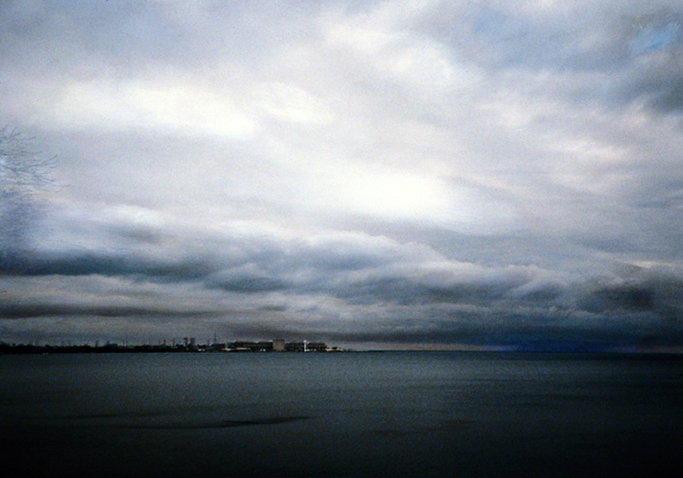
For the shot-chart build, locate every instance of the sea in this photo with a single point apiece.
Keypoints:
(384, 414)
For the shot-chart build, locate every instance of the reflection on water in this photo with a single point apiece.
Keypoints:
(396, 414)
(224, 423)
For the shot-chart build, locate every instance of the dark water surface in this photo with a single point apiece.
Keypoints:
(356, 414)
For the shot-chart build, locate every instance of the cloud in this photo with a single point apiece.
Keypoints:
(351, 265)
(376, 171)
(182, 108)
(290, 103)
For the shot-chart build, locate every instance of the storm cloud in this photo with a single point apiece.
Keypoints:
(393, 173)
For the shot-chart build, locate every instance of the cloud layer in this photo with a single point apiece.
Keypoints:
(384, 172)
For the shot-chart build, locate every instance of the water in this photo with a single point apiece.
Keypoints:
(356, 414)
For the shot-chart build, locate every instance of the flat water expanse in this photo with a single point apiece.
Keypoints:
(404, 414)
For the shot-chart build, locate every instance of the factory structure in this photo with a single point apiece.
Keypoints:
(277, 345)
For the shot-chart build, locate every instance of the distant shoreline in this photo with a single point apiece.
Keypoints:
(270, 346)
(30, 349)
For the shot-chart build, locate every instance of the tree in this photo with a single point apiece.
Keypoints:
(23, 173)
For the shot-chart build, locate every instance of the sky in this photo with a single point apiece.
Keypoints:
(502, 174)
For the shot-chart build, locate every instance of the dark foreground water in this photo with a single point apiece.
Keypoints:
(357, 414)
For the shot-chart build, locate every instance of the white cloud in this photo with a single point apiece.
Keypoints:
(288, 102)
(402, 56)
(172, 105)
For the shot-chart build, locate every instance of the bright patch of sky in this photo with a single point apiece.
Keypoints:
(652, 38)
(181, 107)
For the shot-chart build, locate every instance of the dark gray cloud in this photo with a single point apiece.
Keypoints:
(387, 293)
(23, 311)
